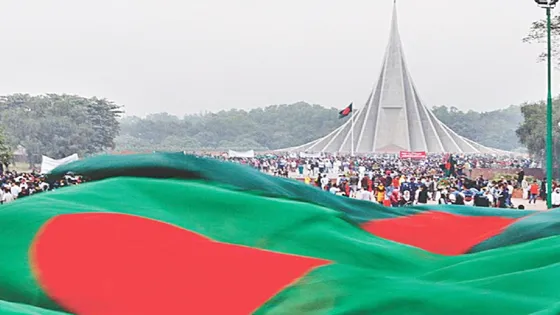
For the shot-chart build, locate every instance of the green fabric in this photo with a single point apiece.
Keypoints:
(368, 275)
(7, 308)
(538, 225)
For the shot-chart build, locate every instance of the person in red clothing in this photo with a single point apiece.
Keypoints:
(396, 183)
(534, 192)
(395, 198)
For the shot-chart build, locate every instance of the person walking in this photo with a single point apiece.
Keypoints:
(533, 192)
(525, 187)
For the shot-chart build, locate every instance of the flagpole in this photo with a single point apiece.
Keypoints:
(352, 132)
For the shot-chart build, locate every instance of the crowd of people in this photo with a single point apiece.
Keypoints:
(285, 164)
(393, 188)
(392, 181)
(14, 185)
(384, 178)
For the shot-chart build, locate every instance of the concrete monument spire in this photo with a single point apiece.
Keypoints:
(394, 117)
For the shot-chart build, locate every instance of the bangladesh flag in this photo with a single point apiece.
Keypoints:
(176, 234)
(345, 112)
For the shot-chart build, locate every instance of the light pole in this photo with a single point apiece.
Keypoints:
(548, 5)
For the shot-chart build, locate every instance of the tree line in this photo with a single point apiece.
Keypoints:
(494, 129)
(283, 126)
(273, 127)
(532, 132)
(60, 125)
(56, 125)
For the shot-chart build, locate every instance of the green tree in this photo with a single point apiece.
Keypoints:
(532, 131)
(495, 129)
(282, 126)
(538, 34)
(59, 125)
(6, 150)
(272, 127)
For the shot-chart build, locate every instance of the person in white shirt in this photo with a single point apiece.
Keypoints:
(555, 198)
(7, 197)
(510, 193)
(337, 166)
(338, 180)
(329, 166)
(364, 194)
(324, 182)
(362, 170)
(334, 189)
(44, 186)
(525, 186)
(15, 190)
(490, 197)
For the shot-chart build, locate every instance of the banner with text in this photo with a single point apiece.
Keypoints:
(412, 155)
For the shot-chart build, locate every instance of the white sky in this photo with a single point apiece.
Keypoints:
(187, 56)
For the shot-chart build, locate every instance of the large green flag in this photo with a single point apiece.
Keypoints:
(176, 234)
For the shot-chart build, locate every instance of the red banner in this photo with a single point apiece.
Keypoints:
(412, 155)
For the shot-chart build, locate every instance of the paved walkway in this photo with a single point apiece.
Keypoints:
(540, 205)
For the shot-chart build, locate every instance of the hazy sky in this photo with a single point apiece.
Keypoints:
(187, 56)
